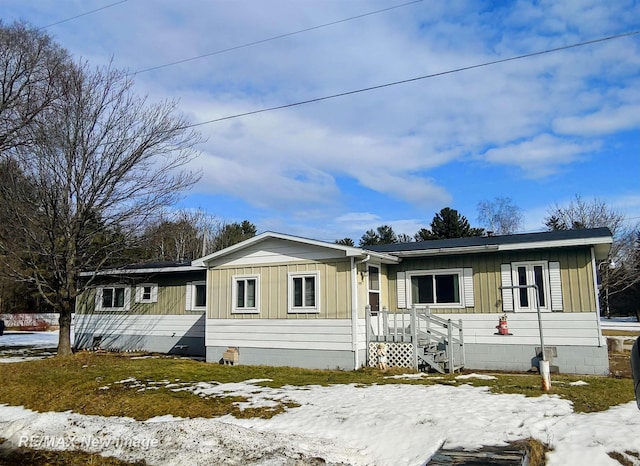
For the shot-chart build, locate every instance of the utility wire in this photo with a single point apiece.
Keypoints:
(262, 41)
(404, 81)
(81, 15)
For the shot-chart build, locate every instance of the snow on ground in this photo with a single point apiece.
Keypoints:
(392, 424)
(620, 323)
(373, 425)
(22, 346)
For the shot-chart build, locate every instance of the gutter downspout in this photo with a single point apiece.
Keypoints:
(354, 313)
(597, 294)
(354, 308)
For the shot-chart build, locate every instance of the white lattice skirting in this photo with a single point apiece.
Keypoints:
(398, 354)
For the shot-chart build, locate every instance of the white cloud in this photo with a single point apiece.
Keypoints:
(540, 156)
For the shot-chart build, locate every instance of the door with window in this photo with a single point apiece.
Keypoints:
(526, 274)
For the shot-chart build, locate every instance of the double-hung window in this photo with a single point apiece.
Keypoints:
(147, 293)
(113, 298)
(304, 292)
(196, 296)
(246, 294)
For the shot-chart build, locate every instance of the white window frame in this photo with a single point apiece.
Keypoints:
(100, 293)
(245, 309)
(531, 296)
(303, 309)
(370, 290)
(461, 288)
(192, 294)
(153, 298)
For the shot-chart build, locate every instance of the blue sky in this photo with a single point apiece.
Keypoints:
(539, 130)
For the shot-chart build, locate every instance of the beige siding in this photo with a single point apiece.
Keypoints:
(334, 290)
(578, 293)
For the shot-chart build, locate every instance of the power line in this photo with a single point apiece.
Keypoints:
(404, 81)
(82, 14)
(262, 41)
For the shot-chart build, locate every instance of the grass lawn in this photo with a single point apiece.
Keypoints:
(78, 382)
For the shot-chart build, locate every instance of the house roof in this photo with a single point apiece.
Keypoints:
(347, 251)
(147, 267)
(600, 238)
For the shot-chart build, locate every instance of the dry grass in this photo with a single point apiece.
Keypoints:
(628, 458)
(73, 383)
(620, 333)
(536, 451)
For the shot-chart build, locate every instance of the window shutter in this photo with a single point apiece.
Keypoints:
(467, 278)
(555, 285)
(127, 298)
(401, 289)
(98, 306)
(507, 295)
(188, 295)
(139, 291)
(154, 294)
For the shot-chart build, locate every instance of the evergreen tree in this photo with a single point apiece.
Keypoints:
(447, 224)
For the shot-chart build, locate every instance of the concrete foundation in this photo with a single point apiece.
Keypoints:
(188, 346)
(310, 359)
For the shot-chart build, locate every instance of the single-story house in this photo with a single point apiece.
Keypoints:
(155, 307)
(284, 300)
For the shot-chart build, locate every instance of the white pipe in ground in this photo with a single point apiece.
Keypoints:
(546, 375)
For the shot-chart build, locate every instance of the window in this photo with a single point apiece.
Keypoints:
(374, 288)
(531, 273)
(196, 296)
(442, 288)
(246, 294)
(146, 293)
(545, 275)
(112, 298)
(303, 292)
(435, 289)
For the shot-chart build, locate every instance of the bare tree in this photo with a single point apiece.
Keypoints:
(500, 216)
(618, 274)
(102, 161)
(181, 235)
(31, 64)
(585, 214)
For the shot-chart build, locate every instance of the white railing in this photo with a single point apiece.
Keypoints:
(420, 328)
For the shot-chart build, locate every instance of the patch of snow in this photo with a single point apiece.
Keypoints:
(350, 424)
(419, 375)
(578, 383)
(476, 376)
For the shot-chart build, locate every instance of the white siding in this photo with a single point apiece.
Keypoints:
(277, 251)
(362, 335)
(316, 334)
(559, 329)
(151, 325)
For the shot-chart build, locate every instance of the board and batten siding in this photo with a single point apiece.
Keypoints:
(171, 301)
(334, 290)
(318, 334)
(576, 273)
